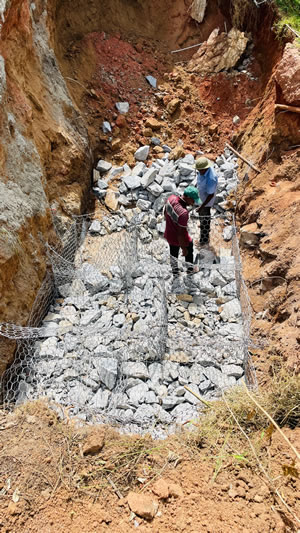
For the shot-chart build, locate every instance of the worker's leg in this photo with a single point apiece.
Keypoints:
(189, 258)
(205, 226)
(174, 252)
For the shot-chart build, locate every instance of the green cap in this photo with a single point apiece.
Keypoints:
(192, 192)
(202, 163)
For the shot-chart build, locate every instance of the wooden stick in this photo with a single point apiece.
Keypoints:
(294, 31)
(118, 493)
(207, 404)
(273, 422)
(290, 108)
(187, 48)
(242, 158)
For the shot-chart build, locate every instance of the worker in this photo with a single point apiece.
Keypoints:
(207, 183)
(176, 232)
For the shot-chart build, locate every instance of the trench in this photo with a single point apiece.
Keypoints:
(115, 341)
(121, 343)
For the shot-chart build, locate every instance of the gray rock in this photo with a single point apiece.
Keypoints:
(115, 171)
(155, 141)
(155, 189)
(169, 402)
(135, 370)
(106, 127)
(184, 412)
(150, 397)
(144, 205)
(103, 166)
(119, 320)
(216, 278)
(137, 393)
(155, 372)
(107, 371)
(144, 414)
(233, 370)
(184, 169)
(160, 202)
(119, 401)
(94, 281)
(166, 148)
(90, 316)
(169, 371)
(132, 182)
(231, 311)
(204, 386)
(162, 415)
(219, 379)
(122, 107)
(189, 397)
(139, 169)
(142, 153)
(168, 185)
(95, 227)
(148, 177)
(102, 185)
(227, 170)
(100, 399)
(79, 395)
(152, 81)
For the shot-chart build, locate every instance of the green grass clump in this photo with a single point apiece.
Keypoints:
(289, 14)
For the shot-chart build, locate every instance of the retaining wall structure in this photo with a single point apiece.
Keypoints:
(119, 343)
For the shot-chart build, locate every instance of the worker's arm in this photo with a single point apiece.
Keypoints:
(206, 201)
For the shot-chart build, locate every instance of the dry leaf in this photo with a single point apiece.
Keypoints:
(270, 430)
(290, 470)
(251, 414)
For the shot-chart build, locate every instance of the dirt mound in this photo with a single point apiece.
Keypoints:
(55, 477)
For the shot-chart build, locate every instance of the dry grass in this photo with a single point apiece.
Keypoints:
(220, 427)
(135, 461)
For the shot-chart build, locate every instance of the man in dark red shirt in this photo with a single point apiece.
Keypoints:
(176, 233)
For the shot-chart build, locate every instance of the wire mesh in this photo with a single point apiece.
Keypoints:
(83, 261)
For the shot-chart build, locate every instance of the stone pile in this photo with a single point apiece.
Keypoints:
(148, 187)
(122, 345)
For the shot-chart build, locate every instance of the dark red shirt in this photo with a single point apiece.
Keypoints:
(177, 216)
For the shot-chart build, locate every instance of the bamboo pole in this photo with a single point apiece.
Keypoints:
(290, 108)
(242, 158)
(207, 404)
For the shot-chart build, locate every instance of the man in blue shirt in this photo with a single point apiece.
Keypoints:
(207, 183)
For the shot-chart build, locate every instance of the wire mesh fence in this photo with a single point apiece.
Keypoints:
(84, 261)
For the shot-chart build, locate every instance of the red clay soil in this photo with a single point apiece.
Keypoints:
(49, 485)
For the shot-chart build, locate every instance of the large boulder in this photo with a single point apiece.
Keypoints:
(220, 52)
(287, 75)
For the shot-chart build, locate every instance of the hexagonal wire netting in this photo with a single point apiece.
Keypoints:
(121, 249)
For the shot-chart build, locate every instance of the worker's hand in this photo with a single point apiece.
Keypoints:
(184, 251)
(199, 210)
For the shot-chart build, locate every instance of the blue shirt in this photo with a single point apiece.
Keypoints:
(207, 184)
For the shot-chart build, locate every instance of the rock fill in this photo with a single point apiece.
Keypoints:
(122, 344)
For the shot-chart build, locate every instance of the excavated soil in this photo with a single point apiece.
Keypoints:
(51, 483)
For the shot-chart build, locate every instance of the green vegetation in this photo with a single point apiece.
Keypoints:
(290, 14)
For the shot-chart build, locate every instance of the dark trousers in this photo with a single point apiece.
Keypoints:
(174, 252)
(205, 225)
